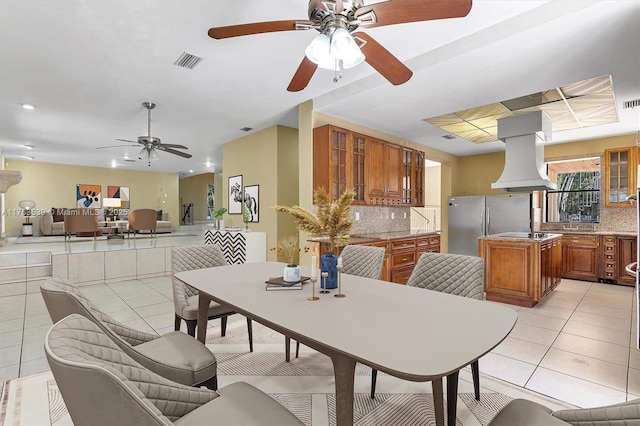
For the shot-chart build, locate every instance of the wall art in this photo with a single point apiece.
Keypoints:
(122, 193)
(252, 202)
(88, 196)
(235, 195)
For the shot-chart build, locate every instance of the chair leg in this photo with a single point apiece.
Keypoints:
(176, 323)
(374, 377)
(297, 348)
(250, 330)
(223, 325)
(211, 384)
(287, 348)
(475, 372)
(191, 327)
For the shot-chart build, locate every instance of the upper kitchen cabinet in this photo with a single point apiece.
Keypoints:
(620, 164)
(412, 177)
(339, 161)
(383, 173)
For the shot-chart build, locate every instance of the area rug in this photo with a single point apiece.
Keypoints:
(60, 238)
(304, 386)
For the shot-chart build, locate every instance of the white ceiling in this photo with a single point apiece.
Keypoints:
(89, 65)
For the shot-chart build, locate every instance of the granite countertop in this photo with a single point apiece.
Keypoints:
(589, 232)
(521, 236)
(366, 238)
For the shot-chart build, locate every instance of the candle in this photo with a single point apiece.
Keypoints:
(313, 266)
(339, 261)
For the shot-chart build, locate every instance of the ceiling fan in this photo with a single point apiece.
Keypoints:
(151, 143)
(339, 45)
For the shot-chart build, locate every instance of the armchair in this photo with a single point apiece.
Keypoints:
(101, 384)
(143, 220)
(174, 355)
(185, 298)
(80, 220)
(454, 274)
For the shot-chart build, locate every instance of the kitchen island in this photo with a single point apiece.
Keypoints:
(520, 268)
(402, 250)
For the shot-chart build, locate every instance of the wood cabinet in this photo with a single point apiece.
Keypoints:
(373, 168)
(620, 179)
(383, 173)
(580, 257)
(520, 272)
(608, 258)
(627, 252)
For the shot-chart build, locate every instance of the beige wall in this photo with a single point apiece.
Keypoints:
(54, 185)
(268, 158)
(193, 189)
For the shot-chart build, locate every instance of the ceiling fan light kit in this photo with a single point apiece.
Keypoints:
(339, 46)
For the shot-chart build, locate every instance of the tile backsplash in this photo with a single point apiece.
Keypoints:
(376, 219)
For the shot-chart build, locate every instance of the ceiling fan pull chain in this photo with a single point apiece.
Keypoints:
(337, 75)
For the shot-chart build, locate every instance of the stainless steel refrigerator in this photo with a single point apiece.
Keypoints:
(471, 217)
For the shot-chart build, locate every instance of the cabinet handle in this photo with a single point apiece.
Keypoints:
(404, 259)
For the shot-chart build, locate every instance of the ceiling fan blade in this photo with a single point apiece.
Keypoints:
(400, 11)
(170, 145)
(113, 146)
(383, 61)
(173, 151)
(303, 75)
(258, 28)
(126, 140)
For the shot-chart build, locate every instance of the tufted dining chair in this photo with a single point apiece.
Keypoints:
(523, 412)
(185, 298)
(174, 355)
(363, 261)
(455, 274)
(101, 385)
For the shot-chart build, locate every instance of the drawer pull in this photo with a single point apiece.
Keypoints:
(404, 259)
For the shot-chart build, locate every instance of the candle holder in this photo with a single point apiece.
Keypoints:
(313, 289)
(324, 276)
(339, 267)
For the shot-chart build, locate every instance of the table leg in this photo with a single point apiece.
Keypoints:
(438, 401)
(344, 369)
(203, 310)
(452, 398)
(287, 348)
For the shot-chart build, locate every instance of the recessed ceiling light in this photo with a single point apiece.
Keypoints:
(114, 164)
(208, 164)
(28, 157)
(29, 147)
(28, 106)
(190, 171)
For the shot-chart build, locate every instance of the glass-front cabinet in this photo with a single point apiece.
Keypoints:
(358, 167)
(620, 164)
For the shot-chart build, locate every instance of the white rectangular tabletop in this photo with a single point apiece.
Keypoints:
(408, 332)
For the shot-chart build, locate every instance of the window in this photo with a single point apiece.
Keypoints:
(577, 199)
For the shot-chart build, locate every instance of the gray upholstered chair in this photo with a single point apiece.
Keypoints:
(174, 355)
(80, 220)
(448, 273)
(522, 412)
(142, 220)
(185, 298)
(363, 261)
(101, 385)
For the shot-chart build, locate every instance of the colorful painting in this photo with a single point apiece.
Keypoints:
(252, 202)
(235, 195)
(120, 192)
(88, 196)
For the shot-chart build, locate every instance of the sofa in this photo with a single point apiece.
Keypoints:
(52, 223)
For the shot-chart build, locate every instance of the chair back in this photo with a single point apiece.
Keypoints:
(143, 220)
(188, 258)
(80, 220)
(100, 384)
(363, 261)
(63, 298)
(449, 273)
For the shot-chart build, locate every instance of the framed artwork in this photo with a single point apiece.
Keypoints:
(88, 196)
(235, 194)
(121, 193)
(252, 202)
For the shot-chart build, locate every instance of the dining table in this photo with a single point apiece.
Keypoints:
(408, 332)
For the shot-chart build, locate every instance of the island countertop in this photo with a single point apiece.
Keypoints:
(521, 236)
(379, 236)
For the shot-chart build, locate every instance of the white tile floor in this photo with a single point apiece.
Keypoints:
(578, 346)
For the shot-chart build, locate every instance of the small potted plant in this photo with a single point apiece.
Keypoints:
(217, 214)
(290, 251)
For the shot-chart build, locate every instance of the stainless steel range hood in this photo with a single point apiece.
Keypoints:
(524, 168)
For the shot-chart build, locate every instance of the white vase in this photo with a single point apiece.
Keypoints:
(221, 225)
(291, 273)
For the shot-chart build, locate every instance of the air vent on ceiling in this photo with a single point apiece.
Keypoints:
(246, 129)
(449, 137)
(130, 160)
(631, 104)
(187, 60)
